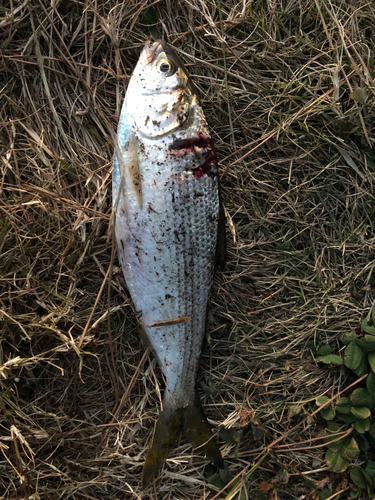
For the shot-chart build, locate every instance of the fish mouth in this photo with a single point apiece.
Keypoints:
(153, 49)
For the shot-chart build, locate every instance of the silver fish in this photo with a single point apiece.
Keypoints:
(169, 232)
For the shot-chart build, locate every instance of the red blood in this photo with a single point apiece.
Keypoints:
(185, 145)
(199, 142)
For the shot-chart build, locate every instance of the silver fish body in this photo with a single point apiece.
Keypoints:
(166, 197)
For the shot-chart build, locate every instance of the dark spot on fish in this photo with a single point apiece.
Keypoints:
(147, 119)
(168, 296)
(150, 209)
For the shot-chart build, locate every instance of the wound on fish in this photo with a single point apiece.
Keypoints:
(202, 142)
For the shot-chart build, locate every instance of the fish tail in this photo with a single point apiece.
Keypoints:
(167, 429)
(192, 422)
(197, 431)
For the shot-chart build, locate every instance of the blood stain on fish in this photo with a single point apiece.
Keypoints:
(180, 147)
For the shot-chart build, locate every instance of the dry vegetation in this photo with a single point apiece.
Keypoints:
(288, 90)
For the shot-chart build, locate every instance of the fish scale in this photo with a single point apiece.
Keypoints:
(171, 255)
(166, 196)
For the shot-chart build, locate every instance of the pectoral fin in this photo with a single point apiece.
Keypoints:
(126, 171)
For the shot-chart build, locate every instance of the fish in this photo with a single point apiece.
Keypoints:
(170, 236)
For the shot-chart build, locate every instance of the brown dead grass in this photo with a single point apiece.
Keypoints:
(297, 176)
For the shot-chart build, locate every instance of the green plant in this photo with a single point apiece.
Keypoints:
(351, 426)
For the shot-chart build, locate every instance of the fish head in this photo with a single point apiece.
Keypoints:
(161, 92)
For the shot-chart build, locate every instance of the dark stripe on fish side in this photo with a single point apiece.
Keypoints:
(199, 142)
(191, 142)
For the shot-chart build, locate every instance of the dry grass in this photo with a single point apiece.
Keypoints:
(297, 177)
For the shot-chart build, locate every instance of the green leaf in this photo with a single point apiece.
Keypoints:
(261, 496)
(360, 397)
(362, 425)
(332, 441)
(321, 400)
(371, 164)
(348, 418)
(358, 478)
(216, 480)
(149, 17)
(353, 356)
(370, 469)
(354, 493)
(360, 411)
(326, 493)
(328, 413)
(372, 430)
(336, 462)
(331, 359)
(346, 338)
(310, 345)
(367, 328)
(294, 410)
(371, 360)
(335, 446)
(324, 350)
(359, 95)
(149, 22)
(231, 436)
(368, 343)
(362, 368)
(370, 384)
(224, 473)
(343, 405)
(362, 442)
(350, 450)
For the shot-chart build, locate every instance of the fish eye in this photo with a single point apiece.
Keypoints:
(166, 67)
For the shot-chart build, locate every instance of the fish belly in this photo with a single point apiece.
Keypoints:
(166, 242)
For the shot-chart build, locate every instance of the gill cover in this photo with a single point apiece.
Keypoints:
(165, 94)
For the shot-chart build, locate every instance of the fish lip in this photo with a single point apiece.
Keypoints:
(151, 49)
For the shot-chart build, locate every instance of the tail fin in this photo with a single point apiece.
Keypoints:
(171, 422)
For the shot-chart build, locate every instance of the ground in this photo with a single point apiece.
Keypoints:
(288, 91)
